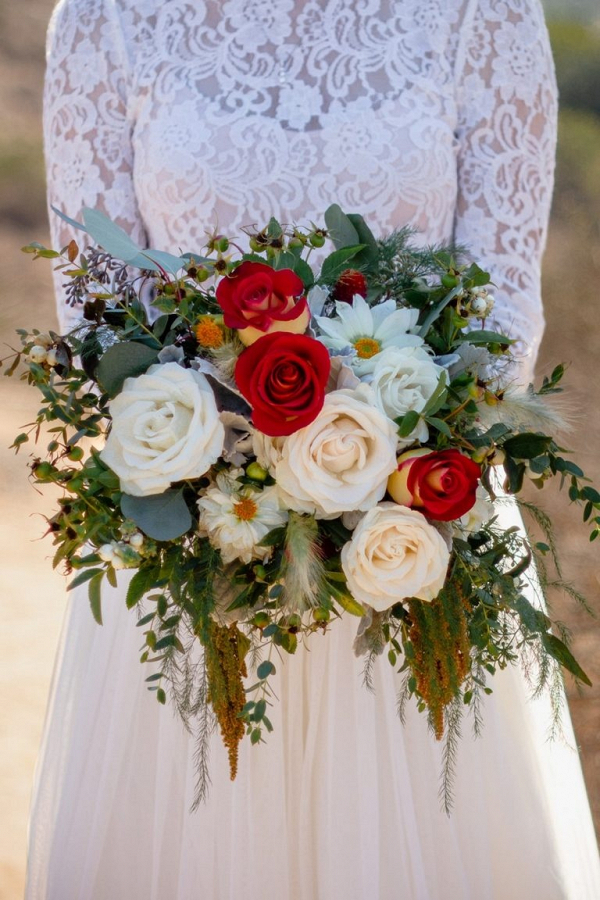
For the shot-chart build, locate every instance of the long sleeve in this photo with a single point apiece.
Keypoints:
(506, 150)
(87, 126)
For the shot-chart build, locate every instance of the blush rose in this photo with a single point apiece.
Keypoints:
(442, 484)
(259, 300)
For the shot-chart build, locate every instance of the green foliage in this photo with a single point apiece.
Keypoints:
(576, 51)
(164, 517)
(121, 361)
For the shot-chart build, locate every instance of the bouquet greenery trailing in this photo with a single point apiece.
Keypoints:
(269, 448)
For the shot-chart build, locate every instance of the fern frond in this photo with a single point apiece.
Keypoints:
(454, 713)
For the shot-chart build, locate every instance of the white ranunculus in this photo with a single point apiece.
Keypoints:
(403, 380)
(394, 554)
(165, 427)
(342, 460)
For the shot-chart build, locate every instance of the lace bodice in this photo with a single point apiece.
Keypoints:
(177, 115)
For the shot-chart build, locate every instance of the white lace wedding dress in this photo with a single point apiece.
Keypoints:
(177, 115)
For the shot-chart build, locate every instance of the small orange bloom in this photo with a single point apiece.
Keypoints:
(208, 333)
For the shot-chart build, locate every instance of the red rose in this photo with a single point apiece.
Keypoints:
(442, 484)
(258, 300)
(283, 377)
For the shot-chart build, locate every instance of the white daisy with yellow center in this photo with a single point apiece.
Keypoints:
(236, 521)
(368, 330)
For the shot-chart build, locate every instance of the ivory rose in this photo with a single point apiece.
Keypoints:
(342, 460)
(404, 379)
(394, 554)
(257, 300)
(165, 428)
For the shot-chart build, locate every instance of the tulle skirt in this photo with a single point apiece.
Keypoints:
(340, 803)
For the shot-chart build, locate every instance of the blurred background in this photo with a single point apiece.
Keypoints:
(32, 596)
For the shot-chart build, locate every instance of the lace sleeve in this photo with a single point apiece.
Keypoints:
(87, 129)
(507, 138)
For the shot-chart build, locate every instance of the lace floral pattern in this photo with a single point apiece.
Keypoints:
(178, 115)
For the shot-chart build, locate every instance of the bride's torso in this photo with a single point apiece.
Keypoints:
(246, 109)
(178, 116)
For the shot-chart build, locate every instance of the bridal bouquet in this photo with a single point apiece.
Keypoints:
(270, 447)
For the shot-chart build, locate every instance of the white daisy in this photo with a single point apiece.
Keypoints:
(368, 329)
(236, 521)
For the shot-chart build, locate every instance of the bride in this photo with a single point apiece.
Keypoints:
(179, 116)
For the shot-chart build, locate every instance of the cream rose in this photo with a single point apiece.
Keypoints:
(165, 427)
(341, 461)
(403, 380)
(394, 554)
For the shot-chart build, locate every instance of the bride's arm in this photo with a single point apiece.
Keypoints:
(507, 139)
(87, 124)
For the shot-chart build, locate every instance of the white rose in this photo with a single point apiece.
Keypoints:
(404, 379)
(342, 460)
(394, 554)
(165, 427)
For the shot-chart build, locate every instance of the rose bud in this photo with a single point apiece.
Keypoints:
(441, 484)
(350, 282)
(259, 300)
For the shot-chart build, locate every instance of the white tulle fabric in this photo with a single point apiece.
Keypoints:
(182, 115)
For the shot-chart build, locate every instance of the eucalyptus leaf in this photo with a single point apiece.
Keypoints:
(341, 230)
(159, 259)
(162, 517)
(265, 669)
(117, 242)
(527, 446)
(121, 361)
(370, 253)
(110, 236)
(72, 222)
